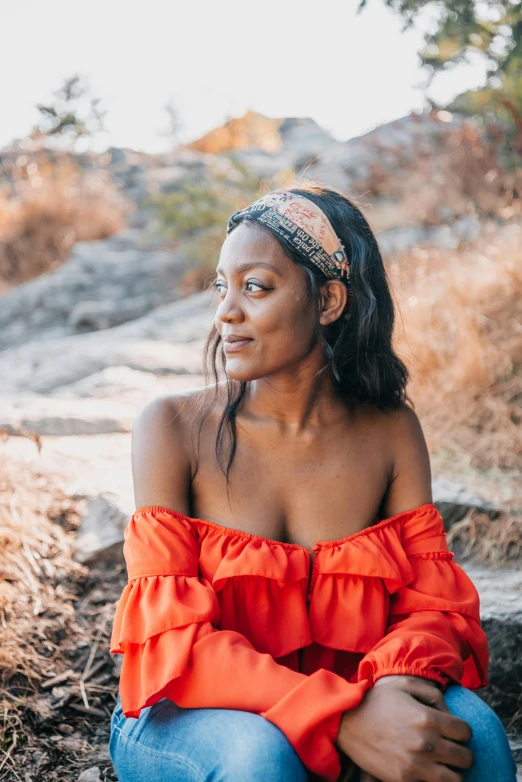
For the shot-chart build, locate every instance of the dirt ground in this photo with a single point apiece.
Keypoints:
(58, 681)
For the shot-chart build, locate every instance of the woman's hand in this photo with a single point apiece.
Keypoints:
(364, 777)
(402, 731)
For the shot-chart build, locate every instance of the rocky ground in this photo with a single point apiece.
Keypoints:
(84, 347)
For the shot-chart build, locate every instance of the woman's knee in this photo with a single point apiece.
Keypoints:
(480, 717)
(263, 752)
(174, 744)
(489, 743)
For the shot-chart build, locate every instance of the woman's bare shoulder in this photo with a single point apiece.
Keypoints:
(398, 434)
(410, 484)
(404, 424)
(163, 446)
(175, 411)
(396, 420)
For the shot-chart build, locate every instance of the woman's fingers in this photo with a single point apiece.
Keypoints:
(449, 726)
(349, 772)
(454, 728)
(441, 774)
(426, 693)
(453, 754)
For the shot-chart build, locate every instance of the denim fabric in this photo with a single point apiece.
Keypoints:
(171, 744)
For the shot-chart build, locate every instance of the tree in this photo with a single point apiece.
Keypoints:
(71, 116)
(489, 28)
(175, 124)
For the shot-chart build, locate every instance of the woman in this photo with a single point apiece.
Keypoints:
(307, 619)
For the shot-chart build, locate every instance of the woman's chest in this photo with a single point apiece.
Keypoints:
(296, 492)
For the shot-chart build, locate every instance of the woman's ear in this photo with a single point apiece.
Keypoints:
(334, 297)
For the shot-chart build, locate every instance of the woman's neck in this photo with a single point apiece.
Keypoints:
(295, 401)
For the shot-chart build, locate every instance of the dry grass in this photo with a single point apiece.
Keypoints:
(492, 541)
(460, 330)
(51, 205)
(57, 679)
(35, 562)
(455, 171)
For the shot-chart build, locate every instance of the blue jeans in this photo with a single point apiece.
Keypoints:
(170, 744)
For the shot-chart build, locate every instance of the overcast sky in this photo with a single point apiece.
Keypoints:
(215, 58)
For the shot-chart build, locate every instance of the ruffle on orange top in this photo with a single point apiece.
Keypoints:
(215, 617)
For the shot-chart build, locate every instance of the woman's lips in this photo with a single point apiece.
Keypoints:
(237, 344)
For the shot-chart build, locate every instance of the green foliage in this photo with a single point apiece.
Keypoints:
(71, 115)
(489, 28)
(196, 207)
(197, 212)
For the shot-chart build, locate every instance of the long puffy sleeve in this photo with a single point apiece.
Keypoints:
(433, 627)
(166, 628)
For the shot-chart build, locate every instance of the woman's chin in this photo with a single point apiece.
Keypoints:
(241, 370)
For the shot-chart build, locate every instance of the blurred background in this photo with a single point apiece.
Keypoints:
(129, 133)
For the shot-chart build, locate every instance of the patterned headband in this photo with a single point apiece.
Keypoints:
(304, 225)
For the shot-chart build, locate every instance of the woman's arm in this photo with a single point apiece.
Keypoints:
(433, 637)
(434, 627)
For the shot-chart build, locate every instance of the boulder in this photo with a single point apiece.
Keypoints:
(100, 536)
(65, 417)
(169, 340)
(500, 591)
(97, 315)
(103, 283)
(109, 382)
(304, 136)
(454, 500)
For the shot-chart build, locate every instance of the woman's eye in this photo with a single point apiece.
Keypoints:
(218, 287)
(254, 287)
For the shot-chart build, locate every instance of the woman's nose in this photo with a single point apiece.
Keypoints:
(229, 309)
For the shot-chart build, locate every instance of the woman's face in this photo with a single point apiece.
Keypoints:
(264, 315)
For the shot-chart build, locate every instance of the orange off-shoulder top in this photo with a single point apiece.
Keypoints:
(219, 618)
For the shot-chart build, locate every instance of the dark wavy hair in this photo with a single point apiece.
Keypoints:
(358, 346)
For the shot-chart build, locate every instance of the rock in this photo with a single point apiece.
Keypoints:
(500, 591)
(515, 742)
(102, 754)
(408, 161)
(396, 240)
(117, 156)
(304, 136)
(445, 213)
(409, 135)
(65, 417)
(266, 165)
(69, 360)
(169, 340)
(100, 536)
(441, 236)
(104, 283)
(467, 227)
(96, 315)
(453, 501)
(90, 775)
(109, 382)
